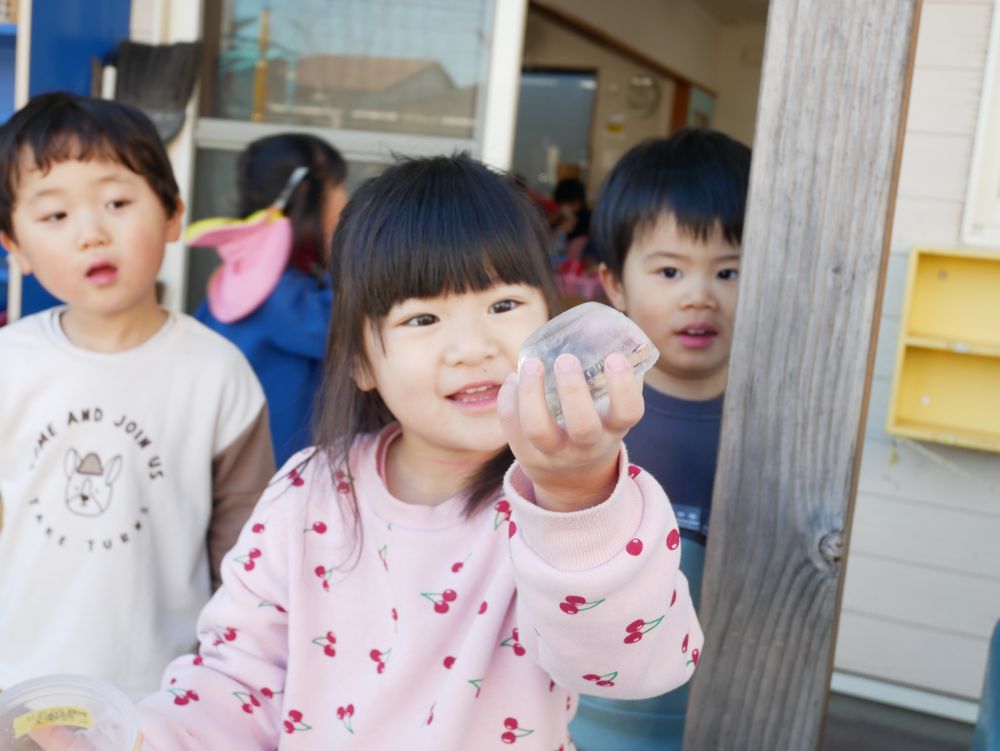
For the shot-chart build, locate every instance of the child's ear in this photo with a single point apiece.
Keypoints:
(19, 258)
(612, 286)
(362, 376)
(174, 222)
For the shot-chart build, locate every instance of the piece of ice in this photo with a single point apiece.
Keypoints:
(590, 331)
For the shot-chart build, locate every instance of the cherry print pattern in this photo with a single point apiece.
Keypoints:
(513, 731)
(482, 607)
(633, 471)
(448, 662)
(380, 658)
(459, 565)
(324, 573)
(573, 604)
(430, 715)
(183, 696)
(276, 606)
(635, 630)
(317, 527)
(249, 559)
(511, 529)
(478, 683)
(673, 598)
(197, 660)
(514, 641)
(383, 555)
(634, 546)
(257, 528)
(343, 481)
(694, 658)
(344, 714)
(502, 507)
(441, 599)
(294, 723)
(296, 479)
(247, 700)
(604, 681)
(326, 642)
(673, 539)
(228, 634)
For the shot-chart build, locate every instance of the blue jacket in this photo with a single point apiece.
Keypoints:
(285, 340)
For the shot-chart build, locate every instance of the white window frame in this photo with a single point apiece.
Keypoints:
(493, 141)
(22, 56)
(981, 215)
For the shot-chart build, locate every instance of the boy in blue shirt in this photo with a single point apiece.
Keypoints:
(669, 224)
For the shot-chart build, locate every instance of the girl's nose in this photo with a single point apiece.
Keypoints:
(471, 343)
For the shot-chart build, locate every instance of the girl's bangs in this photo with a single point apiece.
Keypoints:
(450, 254)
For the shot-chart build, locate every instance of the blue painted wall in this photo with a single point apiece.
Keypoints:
(65, 35)
(8, 41)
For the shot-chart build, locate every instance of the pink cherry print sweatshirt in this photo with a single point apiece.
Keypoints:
(425, 628)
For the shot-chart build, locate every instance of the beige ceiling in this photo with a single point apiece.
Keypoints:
(737, 11)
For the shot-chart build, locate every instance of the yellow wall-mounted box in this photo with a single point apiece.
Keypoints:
(946, 385)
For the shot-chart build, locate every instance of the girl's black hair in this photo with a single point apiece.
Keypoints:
(59, 126)
(423, 228)
(263, 170)
(700, 176)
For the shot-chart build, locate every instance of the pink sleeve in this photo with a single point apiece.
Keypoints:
(229, 695)
(601, 602)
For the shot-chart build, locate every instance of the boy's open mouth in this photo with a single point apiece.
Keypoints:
(102, 273)
(697, 336)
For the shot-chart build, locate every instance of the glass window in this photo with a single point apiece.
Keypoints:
(415, 67)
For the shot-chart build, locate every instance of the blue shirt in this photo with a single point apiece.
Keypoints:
(285, 340)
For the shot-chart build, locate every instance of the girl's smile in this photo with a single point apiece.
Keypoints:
(477, 396)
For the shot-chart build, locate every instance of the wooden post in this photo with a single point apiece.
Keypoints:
(822, 188)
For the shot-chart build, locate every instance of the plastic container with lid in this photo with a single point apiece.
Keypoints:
(97, 714)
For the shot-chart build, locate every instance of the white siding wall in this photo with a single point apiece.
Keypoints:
(739, 57)
(923, 581)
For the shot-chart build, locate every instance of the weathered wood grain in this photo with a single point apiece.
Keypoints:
(822, 189)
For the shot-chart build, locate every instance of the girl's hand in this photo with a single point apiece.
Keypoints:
(576, 466)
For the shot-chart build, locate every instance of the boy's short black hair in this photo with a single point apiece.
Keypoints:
(700, 176)
(570, 190)
(60, 126)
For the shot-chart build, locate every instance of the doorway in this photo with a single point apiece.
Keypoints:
(546, 148)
